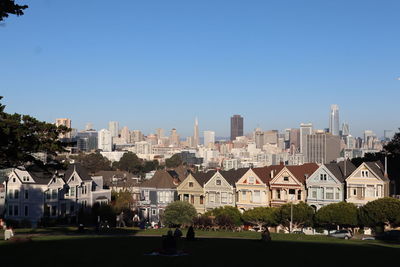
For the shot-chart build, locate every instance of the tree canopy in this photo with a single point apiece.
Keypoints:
(93, 162)
(179, 213)
(10, 7)
(22, 135)
(338, 214)
(174, 161)
(129, 162)
(380, 212)
(261, 216)
(226, 216)
(303, 215)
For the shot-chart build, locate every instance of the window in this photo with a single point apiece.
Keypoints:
(292, 191)
(370, 192)
(54, 194)
(190, 184)
(218, 182)
(201, 200)
(10, 210)
(251, 180)
(379, 191)
(212, 197)
(167, 196)
(244, 195)
(26, 193)
(329, 193)
(354, 192)
(16, 193)
(224, 197)
(53, 210)
(313, 193)
(72, 191)
(161, 196)
(84, 190)
(257, 196)
(230, 198)
(286, 179)
(146, 194)
(278, 194)
(10, 194)
(186, 197)
(154, 212)
(191, 199)
(26, 211)
(48, 195)
(364, 173)
(299, 195)
(322, 176)
(337, 193)
(16, 211)
(13, 180)
(72, 178)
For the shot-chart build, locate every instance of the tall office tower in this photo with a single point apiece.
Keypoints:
(87, 140)
(160, 133)
(345, 129)
(271, 137)
(196, 138)
(66, 123)
(305, 129)
(236, 126)
(126, 135)
(295, 139)
(89, 126)
(209, 138)
(350, 142)
(136, 136)
(334, 120)
(174, 138)
(259, 138)
(322, 147)
(104, 140)
(113, 127)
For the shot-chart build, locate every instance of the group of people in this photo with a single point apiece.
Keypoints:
(8, 231)
(171, 243)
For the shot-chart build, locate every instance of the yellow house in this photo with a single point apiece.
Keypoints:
(192, 190)
(253, 187)
(367, 183)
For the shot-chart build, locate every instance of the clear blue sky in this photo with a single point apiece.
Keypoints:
(150, 64)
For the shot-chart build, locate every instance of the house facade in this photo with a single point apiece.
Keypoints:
(327, 184)
(288, 186)
(31, 196)
(367, 183)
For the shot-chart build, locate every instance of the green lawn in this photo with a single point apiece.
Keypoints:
(126, 247)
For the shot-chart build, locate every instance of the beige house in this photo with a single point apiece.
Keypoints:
(367, 183)
(289, 184)
(253, 187)
(192, 190)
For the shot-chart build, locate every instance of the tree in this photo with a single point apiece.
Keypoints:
(179, 213)
(261, 216)
(174, 161)
(21, 136)
(393, 147)
(338, 214)
(93, 162)
(303, 215)
(122, 200)
(226, 216)
(9, 7)
(150, 166)
(129, 162)
(381, 212)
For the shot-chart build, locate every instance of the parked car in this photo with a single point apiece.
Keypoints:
(393, 235)
(345, 234)
(298, 232)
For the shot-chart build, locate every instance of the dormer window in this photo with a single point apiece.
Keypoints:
(286, 179)
(218, 182)
(364, 173)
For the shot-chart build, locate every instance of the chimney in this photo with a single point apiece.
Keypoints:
(272, 173)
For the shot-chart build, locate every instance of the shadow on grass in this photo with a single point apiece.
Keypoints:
(130, 251)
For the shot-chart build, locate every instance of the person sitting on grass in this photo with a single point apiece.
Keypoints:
(8, 233)
(266, 236)
(190, 234)
(169, 244)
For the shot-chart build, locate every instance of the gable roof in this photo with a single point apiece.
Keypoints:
(302, 172)
(163, 179)
(378, 169)
(203, 177)
(340, 171)
(232, 176)
(82, 172)
(264, 173)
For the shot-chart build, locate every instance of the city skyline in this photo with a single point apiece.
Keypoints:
(233, 57)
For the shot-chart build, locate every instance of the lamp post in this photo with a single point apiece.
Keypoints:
(291, 213)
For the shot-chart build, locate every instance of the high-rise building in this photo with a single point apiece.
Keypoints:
(259, 138)
(66, 123)
(160, 133)
(105, 140)
(345, 129)
(113, 127)
(174, 138)
(322, 147)
(305, 129)
(334, 120)
(295, 139)
(271, 137)
(87, 140)
(126, 135)
(196, 138)
(136, 136)
(236, 126)
(209, 138)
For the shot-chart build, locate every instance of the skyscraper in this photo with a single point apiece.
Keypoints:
(196, 139)
(334, 120)
(174, 138)
(236, 126)
(305, 129)
(345, 129)
(126, 135)
(105, 140)
(66, 123)
(209, 138)
(322, 147)
(113, 127)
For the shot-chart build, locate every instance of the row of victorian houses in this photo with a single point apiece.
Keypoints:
(270, 186)
(32, 195)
